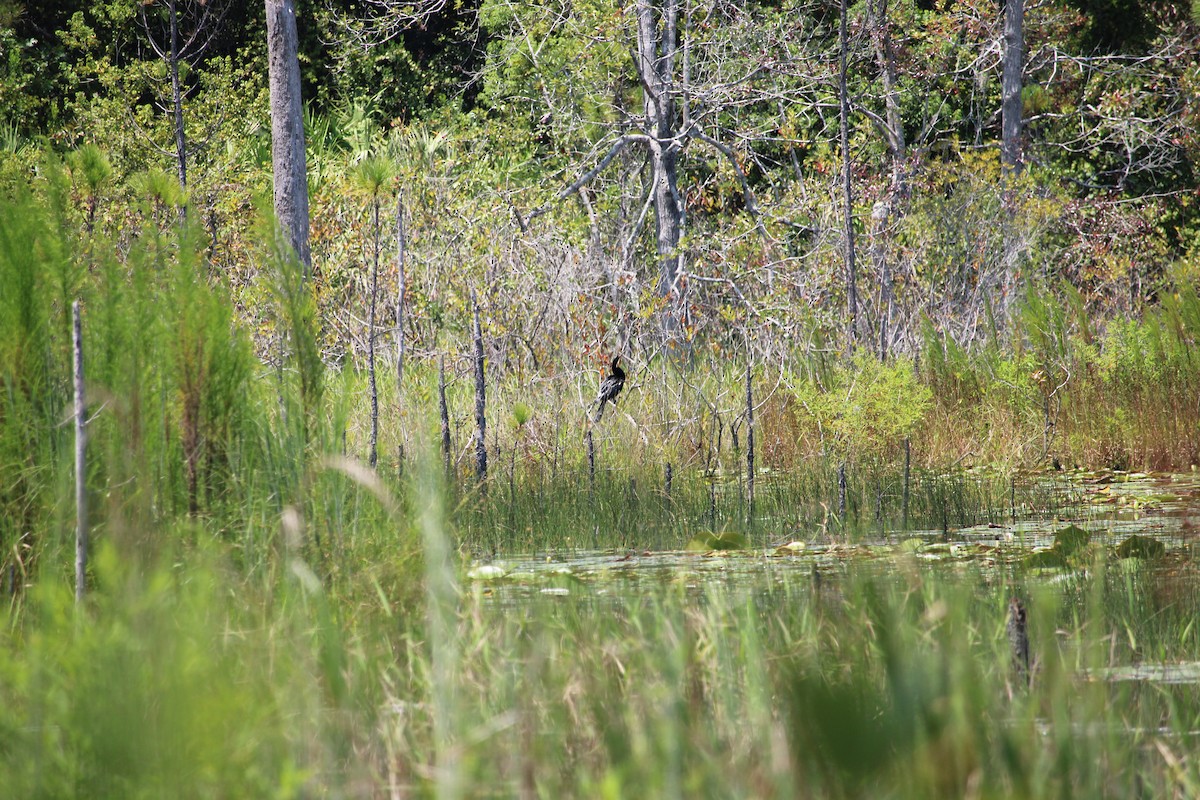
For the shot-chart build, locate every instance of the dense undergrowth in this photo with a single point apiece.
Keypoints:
(267, 616)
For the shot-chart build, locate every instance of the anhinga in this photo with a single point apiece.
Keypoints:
(610, 387)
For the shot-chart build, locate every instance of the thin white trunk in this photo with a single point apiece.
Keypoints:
(401, 280)
(374, 454)
(81, 525)
(177, 97)
(444, 414)
(749, 443)
(481, 461)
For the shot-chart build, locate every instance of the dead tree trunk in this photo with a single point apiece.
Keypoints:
(749, 443)
(656, 49)
(177, 101)
(847, 190)
(1011, 103)
(179, 31)
(481, 464)
(1011, 106)
(841, 479)
(287, 129)
(81, 523)
(401, 285)
(444, 414)
(374, 453)
(880, 216)
(892, 126)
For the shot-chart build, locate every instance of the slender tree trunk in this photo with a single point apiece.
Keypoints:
(590, 447)
(374, 454)
(81, 523)
(444, 413)
(881, 214)
(847, 191)
(287, 129)
(885, 57)
(749, 441)
(177, 101)
(1012, 499)
(401, 286)
(841, 479)
(481, 462)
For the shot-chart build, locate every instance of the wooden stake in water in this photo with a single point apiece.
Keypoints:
(841, 478)
(591, 459)
(907, 462)
(81, 526)
(480, 403)
(1012, 499)
(712, 501)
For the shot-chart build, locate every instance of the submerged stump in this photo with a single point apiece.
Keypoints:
(1018, 640)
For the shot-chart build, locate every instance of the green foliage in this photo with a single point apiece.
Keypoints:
(146, 692)
(34, 365)
(949, 369)
(297, 321)
(374, 174)
(212, 367)
(865, 410)
(91, 172)
(521, 414)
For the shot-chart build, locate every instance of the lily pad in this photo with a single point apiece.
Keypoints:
(1071, 539)
(487, 572)
(726, 540)
(1141, 547)
(1047, 559)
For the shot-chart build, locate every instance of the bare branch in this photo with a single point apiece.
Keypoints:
(587, 177)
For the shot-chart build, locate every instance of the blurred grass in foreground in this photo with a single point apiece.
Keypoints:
(181, 678)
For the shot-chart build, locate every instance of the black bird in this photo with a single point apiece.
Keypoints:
(610, 387)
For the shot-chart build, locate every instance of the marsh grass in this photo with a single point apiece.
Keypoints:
(897, 685)
(182, 677)
(267, 617)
